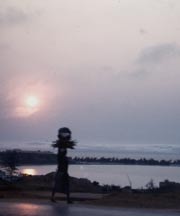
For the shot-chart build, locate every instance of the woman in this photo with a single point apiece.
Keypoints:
(62, 178)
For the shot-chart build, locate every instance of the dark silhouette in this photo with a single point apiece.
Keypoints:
(9, 161)
(62, 177)
(22, 157)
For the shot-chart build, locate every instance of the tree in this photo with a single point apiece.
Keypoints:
(150, 185)
(10, 161)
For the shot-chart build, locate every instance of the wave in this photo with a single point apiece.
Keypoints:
(163, 151)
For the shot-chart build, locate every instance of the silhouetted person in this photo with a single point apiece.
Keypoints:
(62, 178)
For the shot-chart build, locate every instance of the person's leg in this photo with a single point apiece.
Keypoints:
(54, 189)
(53, 195)
(69, 201)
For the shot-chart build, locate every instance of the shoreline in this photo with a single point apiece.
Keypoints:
(167, 195)
(100, 164)
(25, 158)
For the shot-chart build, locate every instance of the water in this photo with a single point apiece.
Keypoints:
(121, 175)
(111, 174)
(136, 151)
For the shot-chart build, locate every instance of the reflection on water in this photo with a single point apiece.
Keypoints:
(29, 171)
(116, 174)
(31, 209)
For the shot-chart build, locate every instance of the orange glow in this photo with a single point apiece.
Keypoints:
(29, 171)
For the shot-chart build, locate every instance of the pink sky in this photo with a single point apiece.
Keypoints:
(108, 69)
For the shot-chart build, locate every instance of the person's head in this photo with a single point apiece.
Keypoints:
(64, 133)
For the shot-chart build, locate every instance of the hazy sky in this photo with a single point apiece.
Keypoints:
(108, 69)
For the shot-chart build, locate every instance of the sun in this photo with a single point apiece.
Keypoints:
(28, 105)
(29, 171)
(32, 101)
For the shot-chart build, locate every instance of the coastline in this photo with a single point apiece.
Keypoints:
(83, 191)
(38, 187)
(121, 172)
(21, 158)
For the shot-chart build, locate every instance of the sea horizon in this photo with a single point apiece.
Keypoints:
(139, 175)
(136, 151)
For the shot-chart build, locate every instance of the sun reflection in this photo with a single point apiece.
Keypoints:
(29, 171)
(29, 209)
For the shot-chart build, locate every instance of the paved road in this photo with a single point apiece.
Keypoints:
(45, 208)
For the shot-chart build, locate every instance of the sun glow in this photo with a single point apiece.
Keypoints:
(29, 105)
(32, 101)
(29, 171)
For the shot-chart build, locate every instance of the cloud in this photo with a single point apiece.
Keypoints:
(156, 59)
(12, 16)
(159, 53)
(82, 83)
(143, 31)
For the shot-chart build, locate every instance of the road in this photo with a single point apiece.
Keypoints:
(45, 208)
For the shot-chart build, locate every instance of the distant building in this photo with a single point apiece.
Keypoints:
(169, 186)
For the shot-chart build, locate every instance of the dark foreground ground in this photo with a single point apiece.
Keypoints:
(45, 208)
(170, 200)
(90, 193)
(120, 199)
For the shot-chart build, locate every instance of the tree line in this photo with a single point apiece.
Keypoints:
(125, 161)
(15, 158)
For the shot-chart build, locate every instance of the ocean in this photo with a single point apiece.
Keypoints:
(135, 151)
(120, 175)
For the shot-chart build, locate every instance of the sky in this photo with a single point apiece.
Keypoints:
(107, 69)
